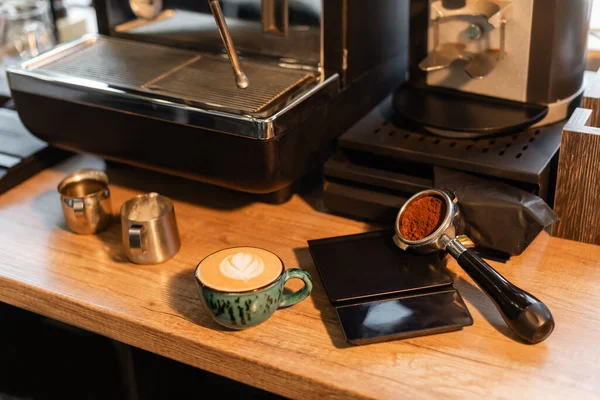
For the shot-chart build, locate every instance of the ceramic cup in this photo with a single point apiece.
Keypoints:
(242, 287)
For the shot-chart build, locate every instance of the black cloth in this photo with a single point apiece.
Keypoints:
(496, 215)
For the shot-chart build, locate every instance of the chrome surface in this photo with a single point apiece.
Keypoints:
(241, 80)
(146, 9)
(152, 238)
(436, 33)
(284, 29)
(465, 241)
(502, 39)
(474, 32)
(492, 11)
(275, 17)
(206, 83)
(141, 92)
(120, 63)
(455, 247)
(480, 63)
(179, 74)
(85, 201)
(444, 56)
(135, 240)
(483, 63)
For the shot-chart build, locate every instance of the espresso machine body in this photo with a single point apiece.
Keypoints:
(155, 88)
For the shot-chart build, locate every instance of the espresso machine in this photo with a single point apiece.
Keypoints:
(491, 85)
(244, 94)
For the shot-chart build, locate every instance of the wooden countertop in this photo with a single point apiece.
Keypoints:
(300, 352)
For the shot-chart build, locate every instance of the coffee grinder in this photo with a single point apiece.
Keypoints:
(491, 85)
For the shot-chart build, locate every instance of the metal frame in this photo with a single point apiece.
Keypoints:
(26, 78)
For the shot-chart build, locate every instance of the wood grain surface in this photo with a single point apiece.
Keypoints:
(577, 198)
(591, 97)
(300, 352)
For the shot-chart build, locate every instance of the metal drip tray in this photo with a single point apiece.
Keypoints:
(117, 63)
(210, 81)
(187, 77)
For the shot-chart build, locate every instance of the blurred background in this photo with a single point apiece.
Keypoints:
(31, 27)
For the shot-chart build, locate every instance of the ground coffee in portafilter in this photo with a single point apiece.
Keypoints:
(421, 217)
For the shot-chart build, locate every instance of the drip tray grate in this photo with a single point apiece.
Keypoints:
(182, 75)
(210, 80)
(520, 157)
(117, 63)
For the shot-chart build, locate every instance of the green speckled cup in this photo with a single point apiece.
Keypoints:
(244, 309)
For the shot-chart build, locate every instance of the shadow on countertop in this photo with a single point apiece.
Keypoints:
(43, 359)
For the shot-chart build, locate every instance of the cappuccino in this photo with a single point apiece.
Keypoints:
(239, 269)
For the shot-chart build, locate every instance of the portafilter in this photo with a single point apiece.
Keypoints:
(527, 316)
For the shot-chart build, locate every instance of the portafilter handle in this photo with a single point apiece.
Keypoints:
(527, 316)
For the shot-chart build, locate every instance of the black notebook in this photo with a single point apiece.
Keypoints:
(381, 292)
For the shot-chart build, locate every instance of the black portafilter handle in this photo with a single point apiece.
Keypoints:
(528, 317)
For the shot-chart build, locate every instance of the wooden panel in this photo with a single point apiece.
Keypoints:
(591, 101)
(577, 198)
(300, 352)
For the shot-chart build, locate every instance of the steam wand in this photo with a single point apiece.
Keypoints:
(241, 80)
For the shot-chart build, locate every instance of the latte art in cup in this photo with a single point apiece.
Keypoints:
(243, 266)
(241, 287)
(239, 269)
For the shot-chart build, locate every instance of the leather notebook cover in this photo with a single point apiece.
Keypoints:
(370, 264)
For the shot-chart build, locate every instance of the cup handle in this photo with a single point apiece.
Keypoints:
(136, 233)
(296, 297)
(79, 208)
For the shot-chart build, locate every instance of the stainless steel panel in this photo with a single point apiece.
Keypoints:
(294, 33)
(275, 17)
(241, 79)
(119, 63)
(189, 77)
(37, 77)
(209, 81)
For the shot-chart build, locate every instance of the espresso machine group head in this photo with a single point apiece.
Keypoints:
(155, 87)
